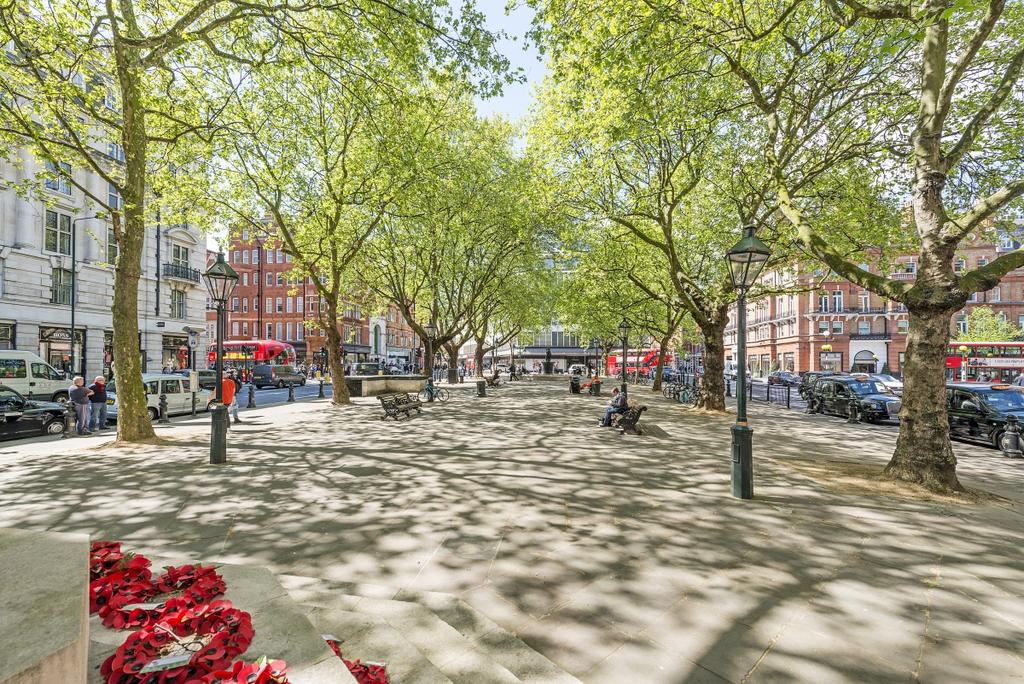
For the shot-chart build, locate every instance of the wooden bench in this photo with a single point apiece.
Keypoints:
(628, 420)
(398, 403)
(494, 381)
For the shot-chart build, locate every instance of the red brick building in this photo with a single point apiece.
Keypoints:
(270, 303)
(836, 325)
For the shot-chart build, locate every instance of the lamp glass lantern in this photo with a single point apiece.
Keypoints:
(623, 328)
(747, 259)
(220, 280)
(431, 330)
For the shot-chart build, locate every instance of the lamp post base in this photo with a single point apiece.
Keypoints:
(219, 434)
(742, 462)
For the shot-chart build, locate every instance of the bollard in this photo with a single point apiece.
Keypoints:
(321, 394)
(69, 419)
(789, 394)
(1009, 443)
(193, 404)
(163, 409)
(252, 397)
(851, 411)
(291, 391)
(481, 388)
(728, 387)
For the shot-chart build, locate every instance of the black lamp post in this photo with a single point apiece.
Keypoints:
(431, 331)
(624, 336)
(220, 281)
(746, 260)
(74, 287)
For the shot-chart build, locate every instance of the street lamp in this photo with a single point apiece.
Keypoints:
(746, 260)
(825, 349)
(431, 331)
(963, 349)
(220, 280)
(74, 284)
(624, 336)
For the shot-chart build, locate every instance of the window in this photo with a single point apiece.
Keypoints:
(995, 294)
(279, 306)
(823, 302)
(961, 323)
(280, 278)
(910, 267)
(245, 305)
(299, 332)
(245, 234)
(298, 305)
(269, 306)
(288, 258)
(13, 369)
(234, 303)
(959, 265)
(270, 256)
(1020, 321)
(280, 257)
(236, 256)
(61, 172)
(1003, 318)
(270, 331)
(837, 300)
(865, 301)
(179, 255)
(234, 328)
(973, 297)
(172, 386)
(113, 197)
(822, 327)
(245, 328)
(255, 256)
(903, 326)
(255, 304)
(982, 261)
(245, 256)
(58, 232)
(43, 370)
(289, 329)
(115, 152)
(864, 267)
(245, 279)
(278, 330)
(60, 290)
(837, 327)
(111, 246)
(270, 278)
(288, 306)
(863, 327)
(177, 304)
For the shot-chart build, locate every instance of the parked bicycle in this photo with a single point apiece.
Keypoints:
(430, 393)
(671, 389)
(689, 395)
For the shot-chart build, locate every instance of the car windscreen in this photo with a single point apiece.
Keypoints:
(9, 397)
(1004, 400)
(886, 378)
(869, 387)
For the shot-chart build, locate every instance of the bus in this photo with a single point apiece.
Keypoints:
(641, 362)
(242, 355)
(984, 361)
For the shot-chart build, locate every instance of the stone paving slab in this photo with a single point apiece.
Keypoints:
(619, 558)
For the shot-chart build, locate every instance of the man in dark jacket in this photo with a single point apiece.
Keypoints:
(78, 395)
(98, 404)
(616, 405)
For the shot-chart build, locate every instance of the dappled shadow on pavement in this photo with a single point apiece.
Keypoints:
(621, 558)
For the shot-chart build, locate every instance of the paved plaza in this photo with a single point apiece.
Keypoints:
(621, 558)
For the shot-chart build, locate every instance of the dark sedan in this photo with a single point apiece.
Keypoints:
(978, 411)
(784, 378)
(21, 417)
(874, 401)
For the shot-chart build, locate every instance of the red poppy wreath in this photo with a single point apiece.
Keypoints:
(106, 557)
(263, 671)
(203, 639)
(116, 598)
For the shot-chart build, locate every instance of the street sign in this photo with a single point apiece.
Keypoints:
(193, 341)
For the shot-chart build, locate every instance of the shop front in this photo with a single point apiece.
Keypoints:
(174, 352)
(55, 348)
(108, 353)
(356, 353)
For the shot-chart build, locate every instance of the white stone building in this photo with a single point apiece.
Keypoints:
(35, 278)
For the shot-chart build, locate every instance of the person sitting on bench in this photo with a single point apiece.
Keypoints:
(616, 405)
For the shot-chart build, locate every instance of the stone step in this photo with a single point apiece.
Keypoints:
(282, 629)
(44, 594)
(441, 626)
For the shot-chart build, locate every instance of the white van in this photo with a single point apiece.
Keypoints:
(176, 388)
(30, 376)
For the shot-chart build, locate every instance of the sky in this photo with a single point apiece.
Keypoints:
(516, 98)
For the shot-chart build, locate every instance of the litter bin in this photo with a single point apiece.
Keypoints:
(574, 384)
(481, 388)
(595, 388)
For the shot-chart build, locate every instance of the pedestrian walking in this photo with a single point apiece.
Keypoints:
(78, 395)
(98, 404)
(1019, 380)
(230, 389)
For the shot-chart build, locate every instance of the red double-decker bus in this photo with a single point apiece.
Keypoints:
(244, 354)
(984, 361)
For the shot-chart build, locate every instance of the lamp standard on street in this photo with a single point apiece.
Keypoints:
(74, 288)
(220, 281)
(624, 336)
(746, 260)
(431, 331)
(963, 349)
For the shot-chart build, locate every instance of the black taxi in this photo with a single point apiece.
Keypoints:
(832, 394)
(22, 417)
(978, 410)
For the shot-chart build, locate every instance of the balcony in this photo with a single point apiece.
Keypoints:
(871, 336)
(903, 275)
(180, 272)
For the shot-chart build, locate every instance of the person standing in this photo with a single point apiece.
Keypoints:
(78, 395)
(98, 404)
(229, 395)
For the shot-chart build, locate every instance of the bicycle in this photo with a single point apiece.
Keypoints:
(689, 395)
(671, 389)
(429, 393)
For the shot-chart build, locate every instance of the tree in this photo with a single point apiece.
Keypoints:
(983, 325)
(82, 76)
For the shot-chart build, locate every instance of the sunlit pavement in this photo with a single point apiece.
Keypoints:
(622, 558)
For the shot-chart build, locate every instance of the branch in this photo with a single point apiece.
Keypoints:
(988, 276)
(981, 210)
(981, 34)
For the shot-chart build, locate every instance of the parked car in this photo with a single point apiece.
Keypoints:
(575, 369)
(366, 368)
(978, 411)
(269, 375)
(893, 383)
(832, 394)
(31, 377)
(784, 378)
(174, 387)
(807, 382)
(22, 417)
(207, 378)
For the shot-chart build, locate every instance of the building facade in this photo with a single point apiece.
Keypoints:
(51, 244)
(270, 302)
(832, 324)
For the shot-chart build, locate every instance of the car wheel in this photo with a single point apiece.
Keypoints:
(280, 385)
(60, 397)
(997, 440)
(54, 427)
(259, 387)
(153, 413)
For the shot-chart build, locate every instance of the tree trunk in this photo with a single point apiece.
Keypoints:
(133, 421)
(478, 357)
(453, 363)
(339, 390)
(428, 358)
(712, 395)
(924, 454)
(660, 369)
